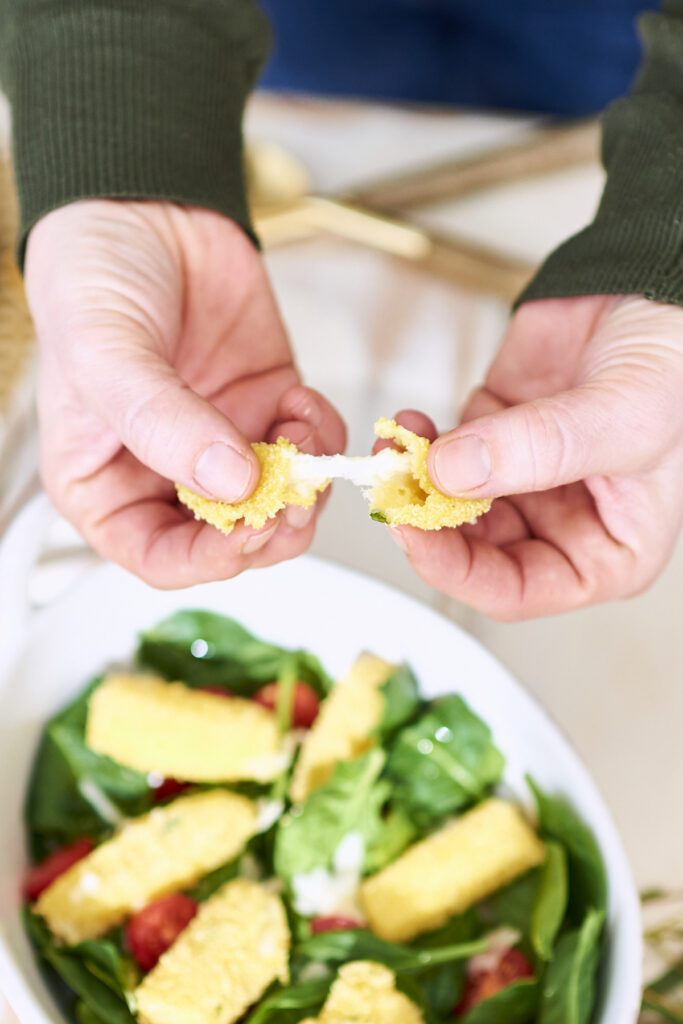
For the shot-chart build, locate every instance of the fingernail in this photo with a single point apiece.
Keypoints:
(460, 465)
(399, 537)
(298, 517)
(223, 472)
(258, 540)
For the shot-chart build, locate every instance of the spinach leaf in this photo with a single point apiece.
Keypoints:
(341, 947)
(443, 762)
(290, 1005)
(443, 984)
(59, 807)
(569, 981)
(85, 1015)
(401, 701)
(551, 901)
(587, 876)
(513, 905)
(515, 1004)
(394, 833)
(205, 649)
(350, 802)
(94, 970)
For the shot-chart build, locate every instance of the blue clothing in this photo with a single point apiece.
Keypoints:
(567, 57)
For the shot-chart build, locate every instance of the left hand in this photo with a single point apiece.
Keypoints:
(578, 434)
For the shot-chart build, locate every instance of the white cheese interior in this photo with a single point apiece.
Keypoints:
(363, 471)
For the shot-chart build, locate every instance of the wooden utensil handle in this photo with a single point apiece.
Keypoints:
(548, 150)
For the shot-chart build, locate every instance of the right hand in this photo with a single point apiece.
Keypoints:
(162, 356)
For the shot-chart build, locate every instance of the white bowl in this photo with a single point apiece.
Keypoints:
(308, 603)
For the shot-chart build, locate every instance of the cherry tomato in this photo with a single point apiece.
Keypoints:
(333, 923)
(154, 929)
(42, 875)
(169, 788)
(306, 703)
(481, 985)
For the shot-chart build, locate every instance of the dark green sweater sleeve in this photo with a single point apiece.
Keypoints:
(635, 243)
(129, 99)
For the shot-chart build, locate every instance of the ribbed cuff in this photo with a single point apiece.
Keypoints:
(131, 100)
(635, 244)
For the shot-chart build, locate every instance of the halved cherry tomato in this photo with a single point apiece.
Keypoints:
(513, 966)
(42, 875)
(155, 928)
(306, 703)
(168, 788)
(334, 923)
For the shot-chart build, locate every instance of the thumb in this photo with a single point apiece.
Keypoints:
(168, 427)
(543, 444)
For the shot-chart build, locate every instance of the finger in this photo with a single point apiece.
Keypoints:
(589, 431)
(526, 579)
(309, 406)
(503, 524)
(169, 427)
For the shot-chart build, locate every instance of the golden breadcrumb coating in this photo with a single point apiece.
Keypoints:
(451, 870)
(366, 993)
(168, 728)
(275, 490)
(403, 499)
(414, 500)
(344, 727)
(235, 947)
(167, 849)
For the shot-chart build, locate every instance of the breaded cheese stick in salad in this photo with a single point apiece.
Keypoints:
(344, 727)
(449, 871)
(146, 723)
(395, 483)
(366, 993)
(168, 849)
(232, 950)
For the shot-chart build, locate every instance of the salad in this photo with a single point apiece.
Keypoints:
(221, 834)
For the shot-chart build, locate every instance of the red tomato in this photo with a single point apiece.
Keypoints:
(218, 691)
(169, 788)
(333, 923)
(155, 928)
(481, 985)
(40, 876)
(306, 703)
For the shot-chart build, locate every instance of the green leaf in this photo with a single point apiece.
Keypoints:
(290, 1005)
(569, 981)
(205, 649)
(587, 876)
(515, 1004)
(513, 905)
(350, 802)
(443, 762)
(57, 808)
(93, 970)
(393, 833)
(551, 901)
(359, 944)
(401, 701)
(443, 984)
(212, 882)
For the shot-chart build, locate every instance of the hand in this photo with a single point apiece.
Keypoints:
(162, 355)
(579, 426)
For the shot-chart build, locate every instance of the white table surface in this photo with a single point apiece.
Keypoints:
(376, 337)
